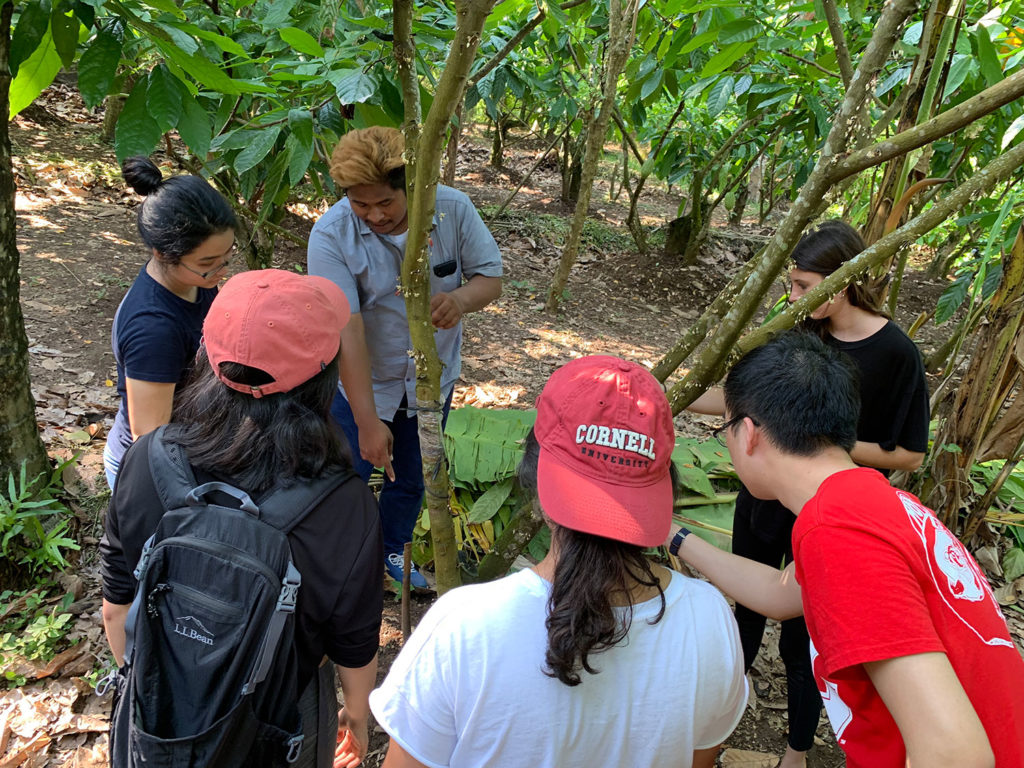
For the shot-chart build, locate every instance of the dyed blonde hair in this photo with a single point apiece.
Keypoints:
(369, 156)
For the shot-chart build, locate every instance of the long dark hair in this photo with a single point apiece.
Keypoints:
(591, 574)
(830, 245)
(258, 442)
(178, 213)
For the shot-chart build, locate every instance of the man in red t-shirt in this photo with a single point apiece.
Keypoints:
(910, 650)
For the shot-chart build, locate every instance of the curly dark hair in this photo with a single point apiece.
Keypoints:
(593, 575)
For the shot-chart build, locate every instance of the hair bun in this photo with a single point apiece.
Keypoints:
(141, 174)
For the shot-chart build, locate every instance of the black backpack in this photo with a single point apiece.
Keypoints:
(209, 677)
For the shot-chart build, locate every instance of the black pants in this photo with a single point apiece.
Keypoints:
(318, 706)
(762, 531)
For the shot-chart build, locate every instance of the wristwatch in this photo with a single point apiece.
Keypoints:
(677, 541)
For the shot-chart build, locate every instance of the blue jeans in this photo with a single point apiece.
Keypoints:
(400, 501)
(111, 466)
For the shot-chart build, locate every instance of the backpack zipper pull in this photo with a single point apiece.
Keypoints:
(151, 609)
(106, 683)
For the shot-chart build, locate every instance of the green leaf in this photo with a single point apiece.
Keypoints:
(137, 132)
(991, 69)
(1013, 564)
(725, 58)
(64, 27)
(224, 43)
(278, 14)
(299, 157)
(897, 77)
(195, 127)
(34, 74)
(1011, 133)
(958, 72)
(263, 141)
(163, 98)
(821, 117)
(695, 479)
(700, 41)
(742, 85)
(651, 84)
(951, 298)
(97, 68)
(206, 73)
(273, 184)
(484, 446)
(354, 86)
(718, 515)
(485, 507)
(719, 95)
(301, 123)
(180, 38)
(739, 31)
(167, 6)
(301, 41)
(28, 34)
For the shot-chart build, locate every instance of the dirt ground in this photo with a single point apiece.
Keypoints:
(80, 251)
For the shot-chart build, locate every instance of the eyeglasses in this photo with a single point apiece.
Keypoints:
(219, 268)
(719, 433)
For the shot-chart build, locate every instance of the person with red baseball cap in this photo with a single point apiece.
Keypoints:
(256, 416)
(594, 656)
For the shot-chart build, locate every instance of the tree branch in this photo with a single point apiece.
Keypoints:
(810, 63)
(839, 41)
(951, 120)
(510, 46)
(629, 137)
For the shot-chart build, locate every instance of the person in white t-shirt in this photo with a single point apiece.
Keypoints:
(595, 656)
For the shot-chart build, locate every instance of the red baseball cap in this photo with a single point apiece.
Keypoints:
(606, 437)
(283, 323)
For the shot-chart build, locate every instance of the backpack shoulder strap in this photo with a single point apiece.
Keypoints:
(284, 508)
(171, 472)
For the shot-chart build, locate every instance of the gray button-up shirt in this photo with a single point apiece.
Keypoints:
(368, 269)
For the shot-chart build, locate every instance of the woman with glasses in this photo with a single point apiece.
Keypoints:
(892, 434)
(189, 229)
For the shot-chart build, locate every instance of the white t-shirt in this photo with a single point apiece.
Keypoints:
(468, 688)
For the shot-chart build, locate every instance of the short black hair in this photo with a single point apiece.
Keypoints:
(803, 393)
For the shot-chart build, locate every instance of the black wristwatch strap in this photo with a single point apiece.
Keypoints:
(677, 541)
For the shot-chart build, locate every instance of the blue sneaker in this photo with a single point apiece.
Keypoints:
(393, 565)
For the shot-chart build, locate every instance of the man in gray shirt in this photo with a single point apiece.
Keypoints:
(359, 244)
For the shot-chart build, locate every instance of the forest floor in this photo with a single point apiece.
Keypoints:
(80, 251)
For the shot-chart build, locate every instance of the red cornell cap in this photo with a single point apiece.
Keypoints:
(285, 324)
(606, 437)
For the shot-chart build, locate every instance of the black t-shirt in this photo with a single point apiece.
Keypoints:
(893, 389)
(337, 549)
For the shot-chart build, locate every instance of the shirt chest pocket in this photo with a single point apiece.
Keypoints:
(445, 268)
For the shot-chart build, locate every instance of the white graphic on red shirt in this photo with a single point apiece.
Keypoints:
(839, 713)
(956, 575)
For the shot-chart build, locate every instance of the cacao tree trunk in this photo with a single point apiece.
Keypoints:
(19, 433)
(424, 145)
(621, 31)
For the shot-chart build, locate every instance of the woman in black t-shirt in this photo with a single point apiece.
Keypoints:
(892, 434)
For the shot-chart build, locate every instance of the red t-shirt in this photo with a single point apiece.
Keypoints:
(882, 578)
